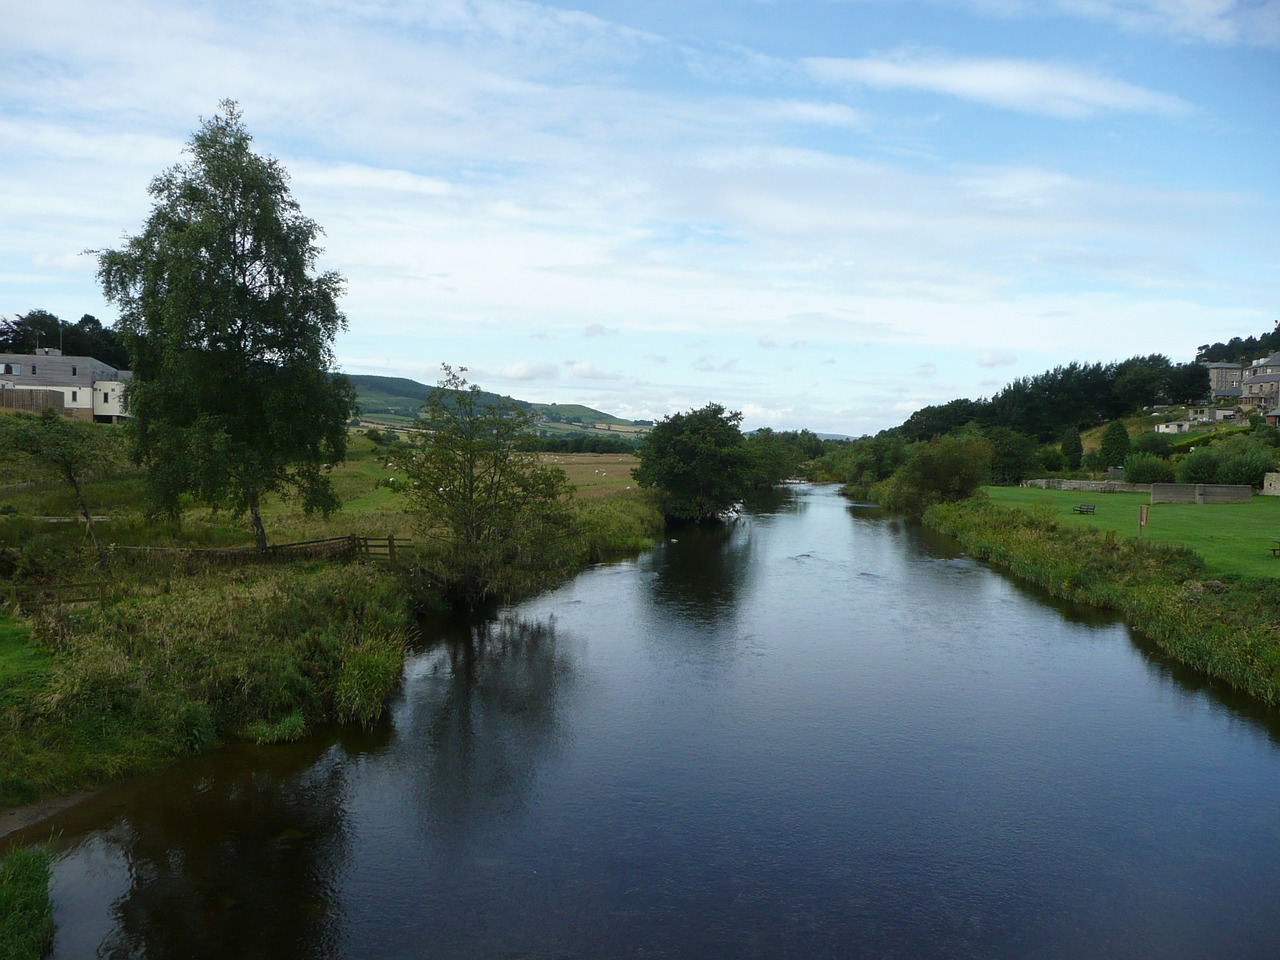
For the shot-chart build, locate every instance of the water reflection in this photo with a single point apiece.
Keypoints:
(485, 715)
(701, 574)
(221, 863)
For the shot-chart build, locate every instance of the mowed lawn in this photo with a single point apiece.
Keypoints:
(1231, 537)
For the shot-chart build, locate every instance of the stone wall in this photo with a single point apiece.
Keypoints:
(1090, 486)
(1271, 485)
(1200, 493)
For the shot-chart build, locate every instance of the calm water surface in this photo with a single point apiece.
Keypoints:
(820, 733)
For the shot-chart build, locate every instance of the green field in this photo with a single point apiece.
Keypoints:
(1232, 538)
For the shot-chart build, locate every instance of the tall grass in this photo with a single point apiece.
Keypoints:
(1228, 627)
(26, 917)
(259, 652)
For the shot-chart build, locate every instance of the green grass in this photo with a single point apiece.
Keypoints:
(26, 917)
(1232, 538)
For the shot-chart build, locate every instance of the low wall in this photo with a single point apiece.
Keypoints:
(1090, 486)
(1200, 493)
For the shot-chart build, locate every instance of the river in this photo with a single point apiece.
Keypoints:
(820, 732)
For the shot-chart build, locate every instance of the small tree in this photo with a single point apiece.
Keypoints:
(1072, 448)
(72, 449)
(1115, 444)
(1199, 466)
(950, 467)
(698, 462)
(229, 331)
(1140, 467)
(495, 516)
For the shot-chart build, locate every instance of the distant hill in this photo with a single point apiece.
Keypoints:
(399, 398)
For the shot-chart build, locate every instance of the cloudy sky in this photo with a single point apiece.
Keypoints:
(824, 213)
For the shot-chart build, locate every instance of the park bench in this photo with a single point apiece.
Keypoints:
(1083, 508)
(1275, 548)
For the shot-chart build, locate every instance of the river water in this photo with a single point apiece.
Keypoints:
(818, 733)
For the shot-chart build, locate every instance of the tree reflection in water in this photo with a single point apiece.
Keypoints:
(235, 863)
(488, 719)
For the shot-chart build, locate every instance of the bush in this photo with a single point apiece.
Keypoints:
(1147, 468)
(1199, 466)
(950, 467)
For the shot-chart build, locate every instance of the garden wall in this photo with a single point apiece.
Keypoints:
(1200, 493)
(1090, 486)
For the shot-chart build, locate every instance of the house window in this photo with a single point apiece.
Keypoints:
(14, 368)
(106, 397)
(33, 369)
(73, 393)
(73, 371)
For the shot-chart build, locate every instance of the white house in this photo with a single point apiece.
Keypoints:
(90, 389)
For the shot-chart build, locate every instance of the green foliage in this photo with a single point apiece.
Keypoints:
(1013, 455)
(1142, 467)
(229, 331)
(1115, 445)
(1157, 444)
(1241, 350)
(613, 526)
(697, 461)
(1072, 448)
(861, 464)
(950, 467)
(74, 450)
(1199, 466)
(773, 457)
(26, 915)
(1242, 460)
(1237, 460)
(495, 517)
(1051, 460)
(262, 652)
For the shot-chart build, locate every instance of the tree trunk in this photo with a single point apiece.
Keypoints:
(88, 523)
(259, 532)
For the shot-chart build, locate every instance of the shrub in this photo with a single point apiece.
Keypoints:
(1147, 468)
(1200, 466)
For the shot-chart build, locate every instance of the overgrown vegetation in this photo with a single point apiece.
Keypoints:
(1228, 628)
(26, 916)
(496, 519)
(260, 652)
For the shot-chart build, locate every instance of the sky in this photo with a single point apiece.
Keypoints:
(822, 213)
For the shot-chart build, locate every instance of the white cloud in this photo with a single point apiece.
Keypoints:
(996, 358)
(1029, 86)
(598, 330)
(530, 371)
(589, 371)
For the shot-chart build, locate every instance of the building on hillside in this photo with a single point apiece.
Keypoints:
(1261, 385)
(89, 389)
(1173, 426)
(1225, 379)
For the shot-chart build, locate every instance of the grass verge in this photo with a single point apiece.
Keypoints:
(1232, 538)
(1227, 627)
(26, 917)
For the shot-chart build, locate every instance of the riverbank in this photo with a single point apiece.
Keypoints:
(1227, 627)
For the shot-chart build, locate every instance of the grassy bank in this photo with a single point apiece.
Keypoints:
(26, 918)
(1232, 538)
(1225, 626)
(261, 652)
(186, 653)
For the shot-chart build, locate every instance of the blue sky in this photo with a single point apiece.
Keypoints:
(824, 213)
